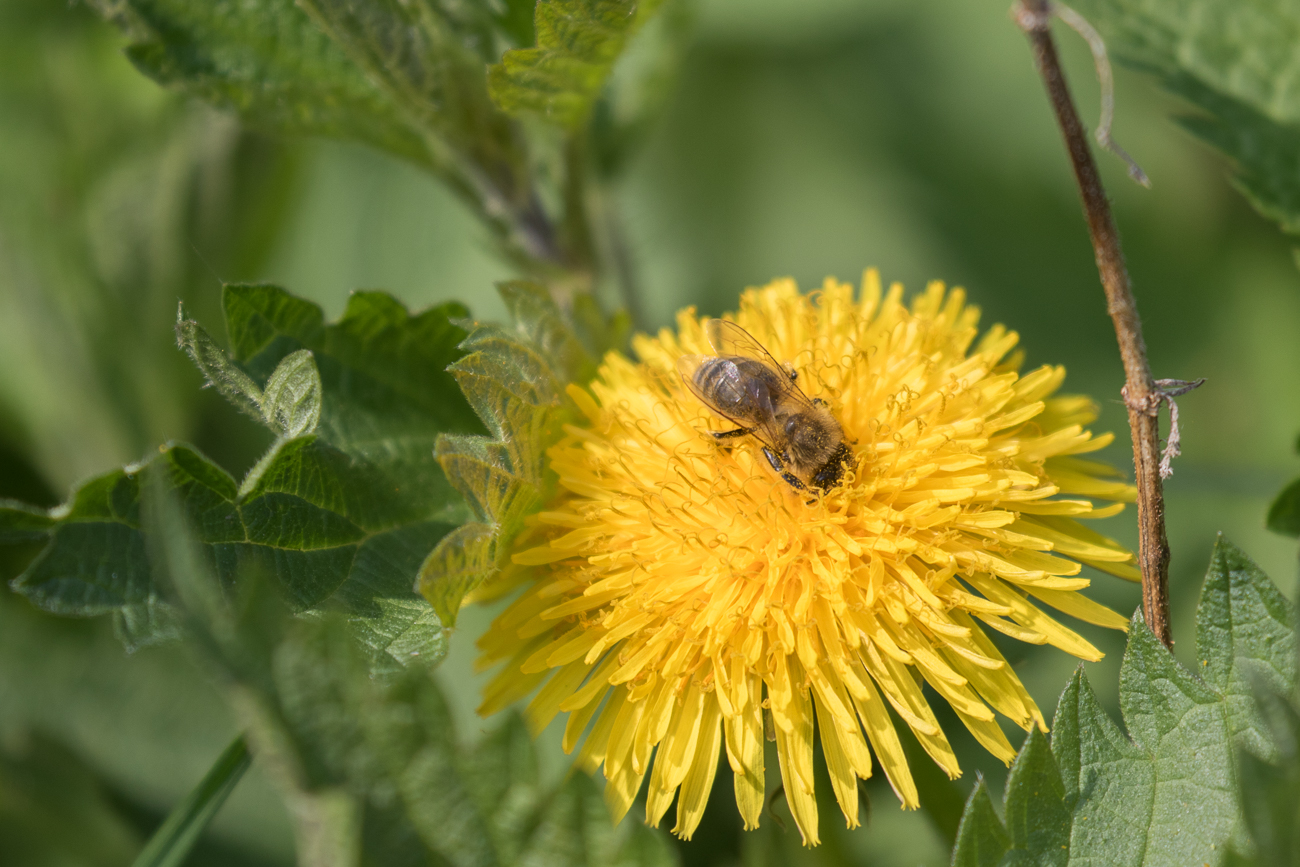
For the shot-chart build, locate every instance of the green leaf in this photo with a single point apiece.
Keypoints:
(266, 60)
(231, 382)
(383, 370)
(1284, 513)
(1246, 643)
(981, 838)
(1036, 816)
(1234, 62)
(577, 44)
(404, 77)
(292, 402)
(372, 765)
(429, 59)
(1168, 791)
(1270, 791)
(515, 380)
(170, 845)
(339, 514)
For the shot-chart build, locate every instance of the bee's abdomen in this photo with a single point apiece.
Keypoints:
(736, 386)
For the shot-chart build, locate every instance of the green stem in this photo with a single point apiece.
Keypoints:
(172, 842)
(619, 254)
(579, 249)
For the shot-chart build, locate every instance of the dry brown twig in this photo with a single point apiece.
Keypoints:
(1142, 394)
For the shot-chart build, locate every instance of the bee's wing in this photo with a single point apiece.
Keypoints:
(728, 338)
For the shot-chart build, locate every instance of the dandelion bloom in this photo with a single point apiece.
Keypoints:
(678, 590)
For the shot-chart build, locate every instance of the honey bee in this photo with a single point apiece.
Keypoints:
(743, 383)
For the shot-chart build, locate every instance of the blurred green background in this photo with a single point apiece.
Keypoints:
(806, 138)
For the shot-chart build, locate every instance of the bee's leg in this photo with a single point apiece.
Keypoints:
(728, 434)
(830, 475)
(777, 464)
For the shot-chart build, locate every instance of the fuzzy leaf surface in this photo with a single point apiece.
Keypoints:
(266, 60)
(292, 400)
(339, 513)
(515, 378)
(1166, 792)
(577, 44)
(408, 78)
(429, 59)
(1236, 62)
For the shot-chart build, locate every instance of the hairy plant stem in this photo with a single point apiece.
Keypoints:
(1141, 395)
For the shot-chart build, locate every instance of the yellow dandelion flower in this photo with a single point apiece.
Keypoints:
(678, 590)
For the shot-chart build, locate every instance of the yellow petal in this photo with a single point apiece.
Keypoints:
(699, 779)
(1081, 607)
(546, 704)
(1026, 614)
(794, 751)
(745, 753)
(593, 748)
(889, 750)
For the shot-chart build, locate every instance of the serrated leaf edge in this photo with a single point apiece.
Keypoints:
(542, 339)
(1141, 642)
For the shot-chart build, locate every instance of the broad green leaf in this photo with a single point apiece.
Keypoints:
(429, 59)
(383, 370)
(339, 514)
(577, 44)
(1284, 512)
(1167, 792)
(1270, 791)
(372, 765)
(1234, 61)
(405, 77)
(515, 380)
(266, 60)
